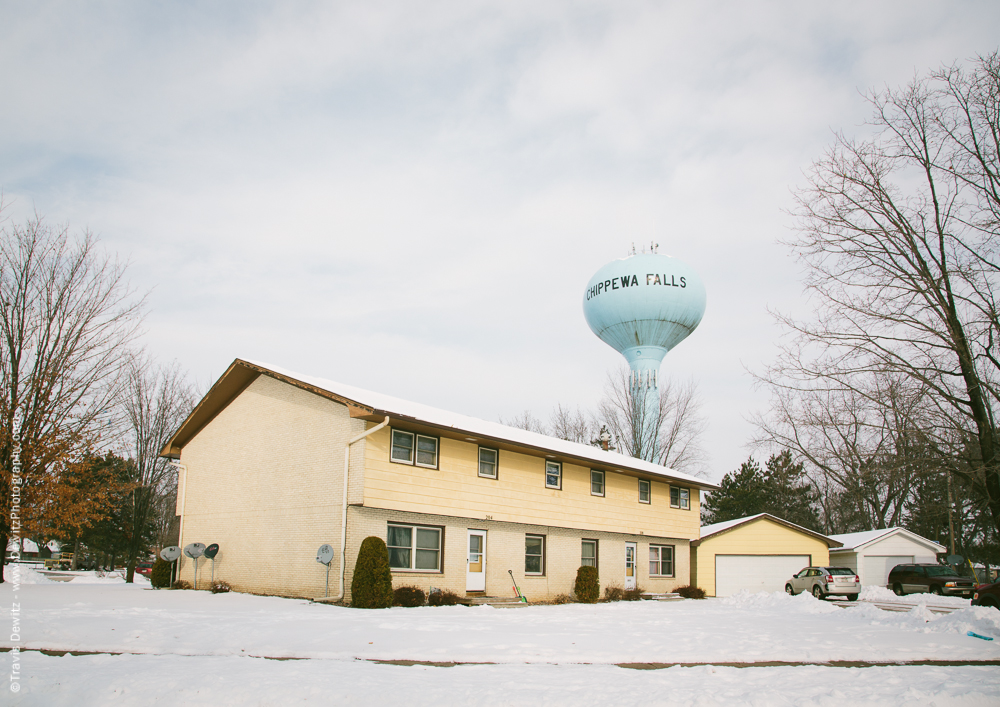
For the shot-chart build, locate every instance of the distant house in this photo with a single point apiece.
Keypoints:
(873, 553)
(275, 464)
(757, 553)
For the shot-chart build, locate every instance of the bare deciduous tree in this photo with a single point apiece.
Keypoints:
(157, 400)
(898, 234)
(678, 422)
(67, 319)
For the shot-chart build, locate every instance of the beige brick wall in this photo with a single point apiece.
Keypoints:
(264, 481)
(505, 551)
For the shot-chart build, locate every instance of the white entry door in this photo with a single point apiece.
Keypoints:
(475, 575)
(630, 565)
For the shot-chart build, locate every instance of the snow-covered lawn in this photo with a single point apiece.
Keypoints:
(186, 647)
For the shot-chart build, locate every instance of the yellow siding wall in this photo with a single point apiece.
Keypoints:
(519, 495)
(761, 537)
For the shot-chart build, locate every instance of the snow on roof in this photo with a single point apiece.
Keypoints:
(714, 528)
(494, 430)
(852, 541)
(26, 545)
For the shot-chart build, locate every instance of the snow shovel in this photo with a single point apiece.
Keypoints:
(518, 591)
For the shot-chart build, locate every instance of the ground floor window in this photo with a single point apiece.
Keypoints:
(414, 547)
(589, 554)
(534, 554)
(661, 561)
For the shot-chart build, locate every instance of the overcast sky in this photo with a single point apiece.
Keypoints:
(410, 197)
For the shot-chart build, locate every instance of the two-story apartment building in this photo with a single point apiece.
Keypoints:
(274, 464)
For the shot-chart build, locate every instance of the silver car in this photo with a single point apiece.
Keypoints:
(822, 582)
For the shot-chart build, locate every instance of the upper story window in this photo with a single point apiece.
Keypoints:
(643, 491)
(553, 475)
(680, 498)
(488, 459)
(596, 483)
(411, 448)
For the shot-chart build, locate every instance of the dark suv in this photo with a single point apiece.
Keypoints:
(936, 579)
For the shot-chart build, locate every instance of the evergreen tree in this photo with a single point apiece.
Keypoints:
(780, 488)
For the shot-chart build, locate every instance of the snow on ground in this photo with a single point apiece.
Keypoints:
(197, 647)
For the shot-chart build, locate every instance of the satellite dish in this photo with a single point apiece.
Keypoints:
(195, 550)
(325, 554)
(955, 559)
(212, 550)
(169, 554)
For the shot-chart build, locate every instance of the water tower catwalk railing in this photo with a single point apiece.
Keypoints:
(643, 306)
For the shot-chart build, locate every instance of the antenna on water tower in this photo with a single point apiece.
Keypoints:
(643, 306)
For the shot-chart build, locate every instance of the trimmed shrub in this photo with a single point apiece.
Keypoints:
(180, 584)
(634, 594)
(613, 592)
(159, 576)
(408, 596)
(587, 586)
(443, 597)
(220, 587)
(371, 587)
(689, 592)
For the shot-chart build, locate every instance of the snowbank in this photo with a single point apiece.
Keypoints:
(881, 594)
(26, 573)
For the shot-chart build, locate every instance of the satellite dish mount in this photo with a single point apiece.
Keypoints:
(325, 556)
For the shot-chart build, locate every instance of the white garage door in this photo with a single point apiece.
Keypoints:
(758, 573)
(877, 567)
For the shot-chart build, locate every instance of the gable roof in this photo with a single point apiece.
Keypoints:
(856, 541)
(727, 525)
(374, 407)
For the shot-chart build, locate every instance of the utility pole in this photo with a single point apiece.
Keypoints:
(951, 522)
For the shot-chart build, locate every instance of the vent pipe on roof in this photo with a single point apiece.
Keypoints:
(343, 508)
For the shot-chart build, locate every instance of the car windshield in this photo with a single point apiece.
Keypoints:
(941, 571)
(839, 570)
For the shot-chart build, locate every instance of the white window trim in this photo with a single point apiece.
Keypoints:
(413, 547)
(603, 482)
(416, 442)
(558, 466)
(542, 538)
(649, 490)
(597, 551)
(680, 498)
(496, 464)
(660, 562)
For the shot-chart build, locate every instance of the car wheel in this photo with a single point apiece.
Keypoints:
(897, 589)
(936, 590)
(818, 591)
(852, 597)
(789, 591)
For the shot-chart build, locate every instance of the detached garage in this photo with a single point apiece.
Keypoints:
(758, 553)
(873, 553)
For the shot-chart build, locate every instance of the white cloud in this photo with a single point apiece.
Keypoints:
(411, 197)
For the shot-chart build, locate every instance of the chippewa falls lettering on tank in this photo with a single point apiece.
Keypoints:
(633, 281)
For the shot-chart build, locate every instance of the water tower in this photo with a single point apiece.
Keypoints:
(643, 306)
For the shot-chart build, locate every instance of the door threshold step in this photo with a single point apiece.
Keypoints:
(504, 602)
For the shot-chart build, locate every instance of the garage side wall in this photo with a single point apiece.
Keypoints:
(762, 537)
(264, 480)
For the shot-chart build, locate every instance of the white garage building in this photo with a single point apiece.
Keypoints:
(873, 553)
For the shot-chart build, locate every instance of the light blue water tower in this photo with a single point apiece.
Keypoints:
(643, 306)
